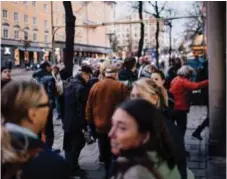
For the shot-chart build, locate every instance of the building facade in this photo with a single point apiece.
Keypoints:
(26, 33)
(128, 36)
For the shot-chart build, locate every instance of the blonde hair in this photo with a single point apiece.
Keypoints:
(103, 67)
(147, 85)
(17, 98)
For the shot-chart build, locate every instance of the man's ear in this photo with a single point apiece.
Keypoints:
(31, 115)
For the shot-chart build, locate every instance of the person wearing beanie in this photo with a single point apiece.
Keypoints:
(142, 143)
(5, 76)
(74, 123)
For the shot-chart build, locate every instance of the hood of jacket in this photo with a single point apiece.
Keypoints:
(22, 137)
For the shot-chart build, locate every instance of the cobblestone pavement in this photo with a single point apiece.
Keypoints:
(197, 162)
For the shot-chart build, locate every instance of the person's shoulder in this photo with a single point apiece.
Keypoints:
(51, 157)
(48, 164)
(138, 171)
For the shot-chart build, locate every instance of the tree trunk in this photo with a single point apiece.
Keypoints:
(157, 43)
(70, 33)
(141, 29)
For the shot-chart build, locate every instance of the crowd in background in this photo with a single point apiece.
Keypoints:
(136, 112)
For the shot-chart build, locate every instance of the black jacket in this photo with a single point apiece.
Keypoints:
(178, 141)
(47, 80)
(126, 74)
(44, 164)
(75, 98)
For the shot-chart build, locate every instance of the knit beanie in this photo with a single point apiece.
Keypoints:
(4, 68)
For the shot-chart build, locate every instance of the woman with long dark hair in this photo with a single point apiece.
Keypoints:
(142, 143)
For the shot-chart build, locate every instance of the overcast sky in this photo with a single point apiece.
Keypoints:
(180, 7)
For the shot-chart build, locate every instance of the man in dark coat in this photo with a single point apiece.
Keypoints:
(75, 98)
(44, 77)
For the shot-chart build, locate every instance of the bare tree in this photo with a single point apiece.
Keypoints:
(195, 25)
(141, 41)
(70, 34)
(157, 11)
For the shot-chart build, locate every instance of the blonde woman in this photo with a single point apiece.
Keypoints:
(25, 107)
(147, 89)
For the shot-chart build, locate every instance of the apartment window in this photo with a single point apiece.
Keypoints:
(25, 35)
(45, 7)
(45, 24)
(4, 14)
(25, 2)
(34, 20)
(33, 3)
(35, 37)
(25, 18)
(5, 33)
(16, 34)
(45, 38)
(16, 16)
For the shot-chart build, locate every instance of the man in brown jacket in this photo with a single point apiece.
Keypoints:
(103, 98)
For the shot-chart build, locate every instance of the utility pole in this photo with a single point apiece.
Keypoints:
(52, 25)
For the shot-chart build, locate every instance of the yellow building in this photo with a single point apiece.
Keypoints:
(27, 29)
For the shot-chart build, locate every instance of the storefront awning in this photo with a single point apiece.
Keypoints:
(31, 49)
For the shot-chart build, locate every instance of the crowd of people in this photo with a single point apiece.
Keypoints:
(136, 112)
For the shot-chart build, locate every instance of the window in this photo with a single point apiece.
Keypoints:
(45, 38)
(16, 34)
(4, 14)
(25, 18)
(25, 35)
(33, 3)
(5, 33)
(45, 7)
(34, 20)
(16, 16)
(35, 37)
(25, 2)
(45, 24)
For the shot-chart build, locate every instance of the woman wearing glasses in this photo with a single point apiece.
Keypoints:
(25, 108)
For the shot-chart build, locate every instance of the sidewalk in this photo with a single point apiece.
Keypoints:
(198, 161)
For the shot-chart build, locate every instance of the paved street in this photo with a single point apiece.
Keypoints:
(198, 161)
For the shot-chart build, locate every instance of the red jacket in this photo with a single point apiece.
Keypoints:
(181, 88)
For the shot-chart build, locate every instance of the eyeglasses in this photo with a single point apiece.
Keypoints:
(47, 104)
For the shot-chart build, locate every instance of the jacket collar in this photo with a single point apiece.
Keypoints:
(80, 79)
(110, 77)
(16, 128)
